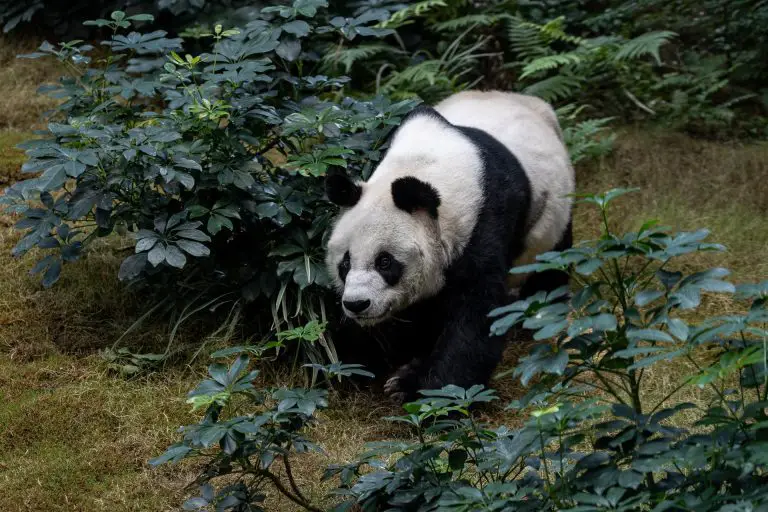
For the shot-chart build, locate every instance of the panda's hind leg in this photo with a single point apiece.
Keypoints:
(549, 280)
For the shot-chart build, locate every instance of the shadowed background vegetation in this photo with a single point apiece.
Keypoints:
(683, 118)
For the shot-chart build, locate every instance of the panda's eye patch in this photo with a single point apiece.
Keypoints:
(344, 266)
(389, 268)
(383, 261)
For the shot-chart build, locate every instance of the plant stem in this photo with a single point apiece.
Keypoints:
(610, 390)
(543, 453)
(634, 385)
(667, 397)
(280, 487)
(291, 480)
(593, 385)
(752, 369)
(719, 394)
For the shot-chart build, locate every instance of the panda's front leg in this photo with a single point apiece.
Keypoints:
(403, 385)
(465, 353)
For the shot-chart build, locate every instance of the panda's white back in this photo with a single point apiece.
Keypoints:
(528, 127)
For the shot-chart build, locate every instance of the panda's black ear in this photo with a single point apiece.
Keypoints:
(411, 194)
(341, 190)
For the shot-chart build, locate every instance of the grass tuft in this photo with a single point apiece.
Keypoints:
(72, 438)
(11, 157)
(21, 107)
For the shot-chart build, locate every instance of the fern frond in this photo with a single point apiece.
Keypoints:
(525, 39)
(467, 21)
(405, 16)
(551, 62)
(349, 56)
(427, 71)
(554, 31)
(569, 113)
(554, 88)
(646, 44)
(587, 139)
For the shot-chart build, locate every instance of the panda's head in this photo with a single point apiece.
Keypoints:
(385, 250)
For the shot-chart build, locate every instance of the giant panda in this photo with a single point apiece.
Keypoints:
(420, 252)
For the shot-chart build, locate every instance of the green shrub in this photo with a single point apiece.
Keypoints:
(213, 163)
(710, 81)
(595, 439)
(64, 18)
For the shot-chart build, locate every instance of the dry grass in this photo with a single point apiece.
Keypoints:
(88, 309)
(73, 438)
(21, 107)
(688, 184)
(11, 157)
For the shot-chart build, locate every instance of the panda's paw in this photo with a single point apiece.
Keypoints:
(403, 384)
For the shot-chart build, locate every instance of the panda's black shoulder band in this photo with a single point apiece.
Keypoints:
(341, 190)
(411, 194)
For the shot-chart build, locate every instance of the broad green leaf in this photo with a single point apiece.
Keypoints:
(678, 328)
(551, 330)
(647, 296)
(193, 248)
(145, 244)
(299, 28)
(604, 322)
(649, 361)
(132, 266)
(193, 234)
(217, 222)
(175, 453)
(648, 335)
(174, 257)
(156, 255)
(589, 267)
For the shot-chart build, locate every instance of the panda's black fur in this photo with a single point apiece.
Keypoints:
(449, 335)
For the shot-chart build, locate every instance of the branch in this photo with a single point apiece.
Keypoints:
(280, 487)
(291, 479)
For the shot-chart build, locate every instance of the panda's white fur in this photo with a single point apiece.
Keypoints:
(424, 147)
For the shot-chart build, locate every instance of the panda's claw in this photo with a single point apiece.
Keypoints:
(403, 383)
(391, 386)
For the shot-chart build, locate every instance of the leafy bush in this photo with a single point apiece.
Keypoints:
(710, 79)
(693, 67)
(595, 439)
(64, 18)
(266, 436)
(443, 47)
(213, 163)
(455, 45)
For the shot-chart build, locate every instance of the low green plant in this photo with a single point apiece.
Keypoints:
(128, 364)
(246, 432)
(595, 439)
(586, 139)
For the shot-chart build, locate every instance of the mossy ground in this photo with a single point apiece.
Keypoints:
(75, 436)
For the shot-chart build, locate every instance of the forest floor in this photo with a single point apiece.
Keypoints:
(75, 436)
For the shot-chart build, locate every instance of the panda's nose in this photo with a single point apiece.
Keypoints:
(357, 306)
